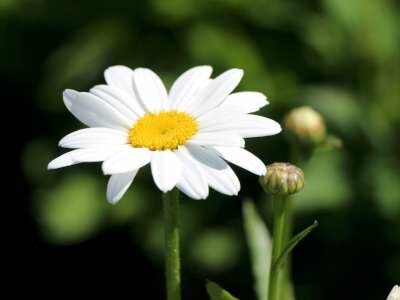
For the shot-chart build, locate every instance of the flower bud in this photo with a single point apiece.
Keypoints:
(282, 179)
(306, 125)
(395, 293)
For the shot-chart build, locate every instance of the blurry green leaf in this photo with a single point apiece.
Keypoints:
(182, 10)
(260, 246)
(384, 176)
(292, 244)
(349, 13)
(176, 10)
(218, 293)
(327, 184)
(71, 211)
(280, 84)
(385, 105)
(272, 13)
(244, 54)
(338, 106)
(379, 127)
(329, 41)
(372, 26)
(8, 5)
(215, 249)
(80, 60)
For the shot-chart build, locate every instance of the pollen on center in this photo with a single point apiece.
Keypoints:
(163, 131)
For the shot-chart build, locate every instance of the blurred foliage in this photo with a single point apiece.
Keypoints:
(260, 247)
(326, 185)
(340, 57)
(216, 249)
(385, 185)
(70, 212)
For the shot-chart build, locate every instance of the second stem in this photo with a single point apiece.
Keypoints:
(281, 213)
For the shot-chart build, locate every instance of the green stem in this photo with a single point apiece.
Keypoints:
(287, 267)
(172, 259)
(281, 210)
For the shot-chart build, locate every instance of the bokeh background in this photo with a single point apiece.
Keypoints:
(340, 57)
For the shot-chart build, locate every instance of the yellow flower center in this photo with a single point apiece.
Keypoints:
(162, 131)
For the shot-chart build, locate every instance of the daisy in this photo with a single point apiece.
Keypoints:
(187, 135)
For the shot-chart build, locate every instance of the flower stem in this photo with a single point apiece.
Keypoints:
(287, 267)
(172, 259)
(281, 210)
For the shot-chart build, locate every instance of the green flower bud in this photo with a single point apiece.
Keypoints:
(282, 179)
(306, 125)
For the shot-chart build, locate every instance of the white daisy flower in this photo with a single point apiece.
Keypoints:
(186, 135)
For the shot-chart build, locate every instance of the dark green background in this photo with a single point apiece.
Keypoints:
(340, 57)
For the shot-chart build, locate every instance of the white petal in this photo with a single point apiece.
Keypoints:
(150, 90)
(192, 182)
(125, 103)
(217, 139)
(188, 84)
(118, 184)
(394, 293)
(97, 154)
(218, 173)
(93, 137)
(62, 161)
(243, 158)
(245, 126)
(82, 155)
(215, 92)
(166, 169)
(120, 77)
(216, 117)
(120, 81)
(93, 111)
(245, 102)
(127, 160)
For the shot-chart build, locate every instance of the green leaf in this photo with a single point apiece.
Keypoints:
(218, 293)
(292, 244)
(260, 246)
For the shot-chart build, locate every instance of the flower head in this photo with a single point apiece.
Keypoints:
(283, 179)
(306, 125)
(394, 293)
(186, 134)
